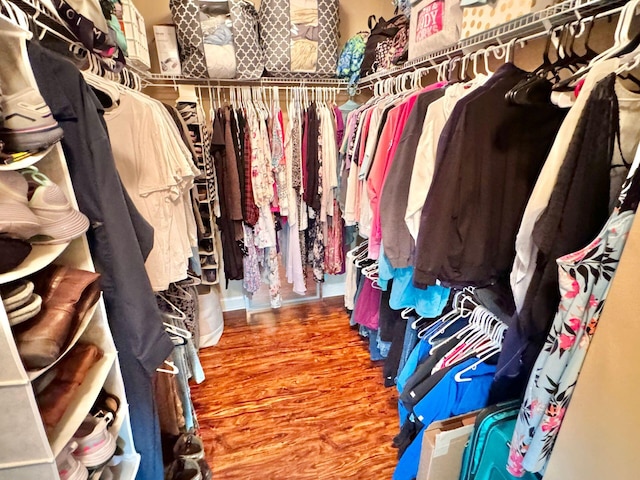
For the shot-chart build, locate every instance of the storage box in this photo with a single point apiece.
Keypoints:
(167, 48)
(479, 19)
(442, 448)
(136, 35)
(435, 24)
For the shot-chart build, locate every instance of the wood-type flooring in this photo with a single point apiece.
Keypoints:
(293, 395)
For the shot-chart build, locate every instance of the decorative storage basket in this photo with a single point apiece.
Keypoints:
(300, 37)
(246, 36)
(478, 19)
(136, 35)
(435, 24)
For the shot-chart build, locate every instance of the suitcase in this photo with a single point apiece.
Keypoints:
(485, 456)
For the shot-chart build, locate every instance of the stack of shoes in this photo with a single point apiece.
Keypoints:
(189, 462)
(68, 467)
(96, 445)
(60, 386)
(20, 301)
(27, 124)
(67, 295)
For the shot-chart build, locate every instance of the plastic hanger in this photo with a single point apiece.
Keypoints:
(624, 42)
(175, 311)
(177, 331)
(172, 370)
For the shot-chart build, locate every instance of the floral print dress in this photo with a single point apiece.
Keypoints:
(585, 278)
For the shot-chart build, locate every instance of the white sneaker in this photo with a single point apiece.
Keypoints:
(59, 221)
(95, 444)
(16, 219)
(28, 122)
(68, 467)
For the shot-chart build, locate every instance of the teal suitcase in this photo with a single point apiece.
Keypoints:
(485, 456)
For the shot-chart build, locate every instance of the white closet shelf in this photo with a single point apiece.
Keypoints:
(163, 80)
(82, 402)
(27, 162)
(533, 23)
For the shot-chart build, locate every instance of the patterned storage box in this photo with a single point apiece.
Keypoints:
(300, 37)
(481, 18)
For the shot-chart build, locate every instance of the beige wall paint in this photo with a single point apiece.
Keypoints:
(353, 17)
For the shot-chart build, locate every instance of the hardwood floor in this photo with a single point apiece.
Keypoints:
(294, 396)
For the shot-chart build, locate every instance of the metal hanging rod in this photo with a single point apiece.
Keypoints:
(161, 80)
(528, 26)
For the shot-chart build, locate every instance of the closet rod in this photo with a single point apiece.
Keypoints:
(524, 28)
(161, 80)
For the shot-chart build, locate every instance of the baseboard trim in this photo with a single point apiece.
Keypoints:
(232, 303)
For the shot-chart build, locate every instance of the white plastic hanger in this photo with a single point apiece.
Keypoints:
(176, 312)
(172, 370)
(177, 331)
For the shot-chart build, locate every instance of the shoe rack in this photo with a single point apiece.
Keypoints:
(28, 453)
(207, 195)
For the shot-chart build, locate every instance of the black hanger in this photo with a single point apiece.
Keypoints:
(535, 88)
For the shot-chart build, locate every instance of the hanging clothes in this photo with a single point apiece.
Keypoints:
(399, 245)
(585, 279)
(133, 314)
(461, 240)
(583, 184)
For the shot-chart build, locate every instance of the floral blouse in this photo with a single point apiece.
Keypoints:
(585, 278)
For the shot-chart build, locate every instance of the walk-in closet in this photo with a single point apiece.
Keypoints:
(319, 239)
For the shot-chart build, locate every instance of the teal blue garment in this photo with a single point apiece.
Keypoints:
(446, 399)
(114, 25)
(351, 58)
(419, 353)
(427, 302)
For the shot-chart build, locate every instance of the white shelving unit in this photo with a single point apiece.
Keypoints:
(27, 452)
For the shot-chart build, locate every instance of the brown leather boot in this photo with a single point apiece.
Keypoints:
(54, 399)
(67, 294)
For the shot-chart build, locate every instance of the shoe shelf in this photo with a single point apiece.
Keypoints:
(28, 452)
(54, 166)
(127, 468)
(27, 162)
(81, 403)
(34, 374)
(206, 185)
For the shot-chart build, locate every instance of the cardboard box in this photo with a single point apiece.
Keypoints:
(167, 48)
(482, 18)
(442, 447)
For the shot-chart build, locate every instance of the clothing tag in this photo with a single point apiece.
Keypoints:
(430, 20)
(413, 394)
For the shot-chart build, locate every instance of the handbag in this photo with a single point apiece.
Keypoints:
(249, 54)
(382, 33)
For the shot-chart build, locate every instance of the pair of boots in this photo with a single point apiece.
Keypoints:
(189, 463)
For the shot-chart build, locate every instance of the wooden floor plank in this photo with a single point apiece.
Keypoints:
(293, 395)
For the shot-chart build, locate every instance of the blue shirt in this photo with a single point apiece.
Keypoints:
(447, 399)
